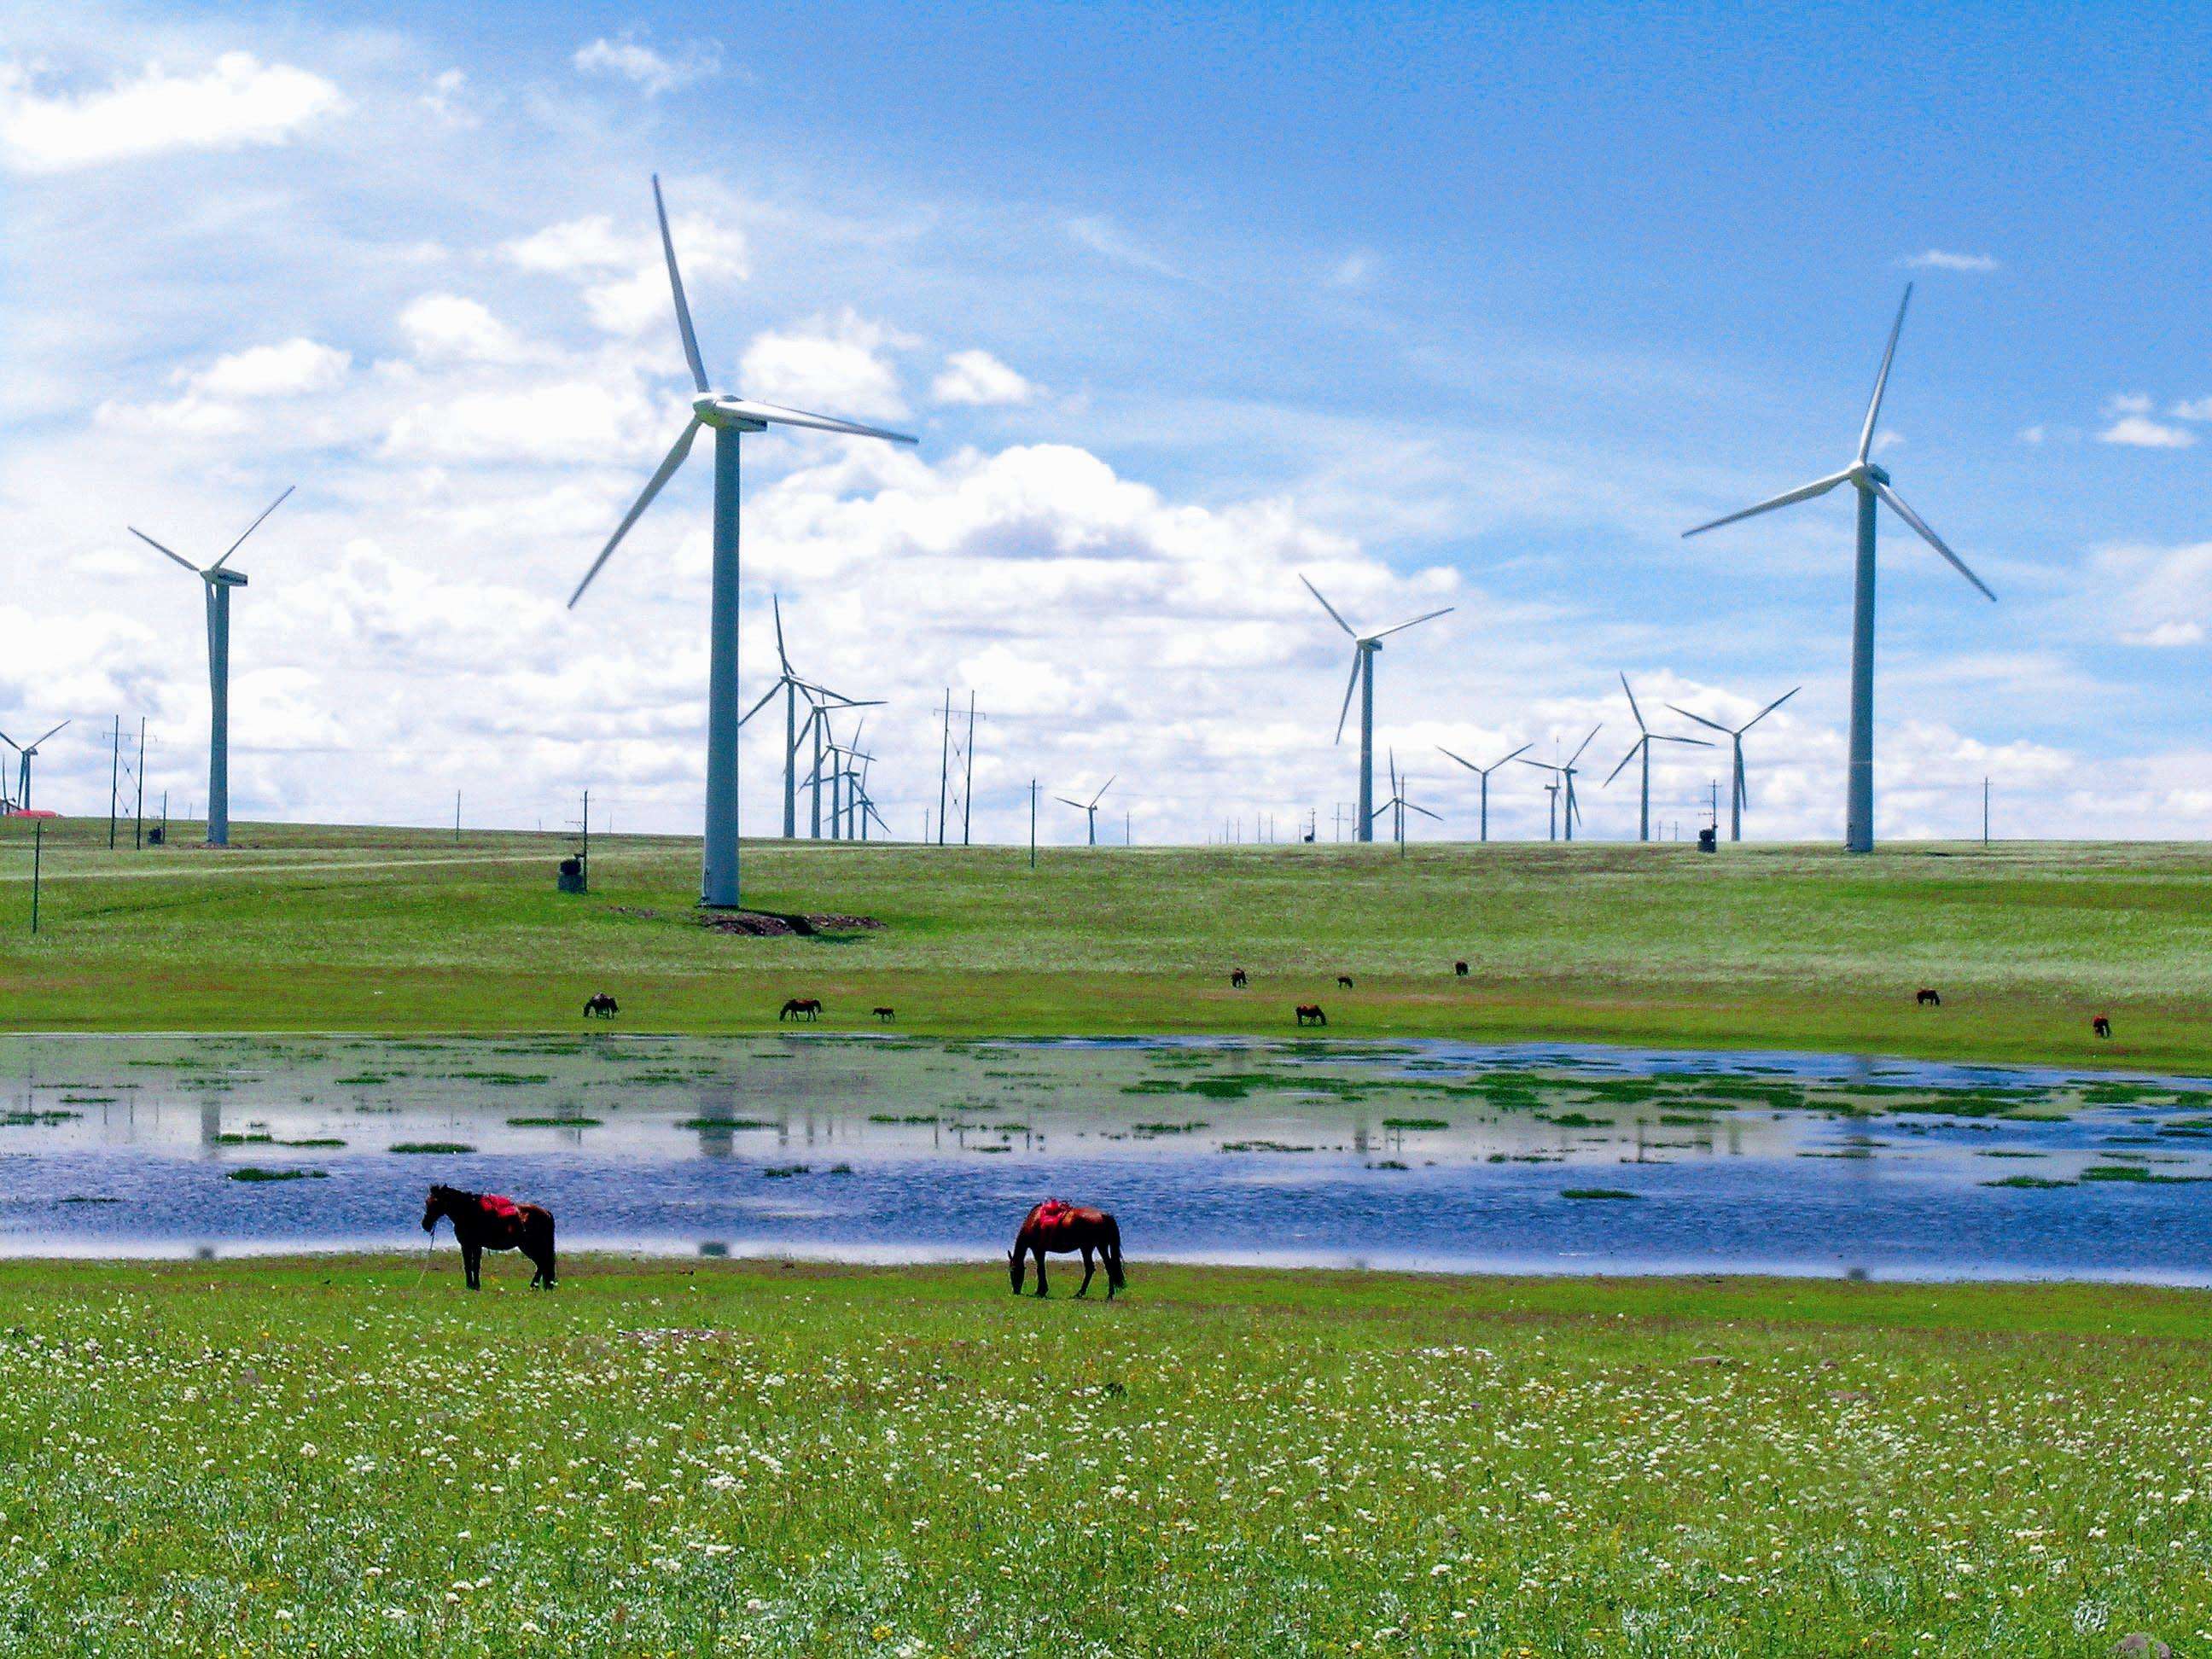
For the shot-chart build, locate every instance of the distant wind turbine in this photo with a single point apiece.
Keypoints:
(1483, 772)
(1089, 809)
(1363, 648)
(1738, 794)
(26, 753)
(218, 582)
(1400, 803)
(731, 417)
(1566, 774)
(819, 698)
(1645, 738)
(1872, 484)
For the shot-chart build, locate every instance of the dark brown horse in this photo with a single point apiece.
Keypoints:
(2101, 1025)
(1459, 970)
(1238, 979)
(1927, 997)
(800, 1008)
(600, 1005)
(1309, 1013)
(485, 1221)
(1062, 1227)
(1344, 981)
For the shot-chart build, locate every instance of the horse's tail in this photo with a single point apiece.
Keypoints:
(1115, 1277)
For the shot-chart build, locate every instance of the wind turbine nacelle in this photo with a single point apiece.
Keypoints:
(225, 578)
(1872, 473)
(726, 414)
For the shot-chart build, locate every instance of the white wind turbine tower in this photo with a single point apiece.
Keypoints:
(1872, 484)
(1483, 772)
(1739, 794)
(1564, 772)
(1645, 738)
(1363, 648)
(218, 582)
(26, 753)
(1089, 809)
(731, 417)
(1398, 804)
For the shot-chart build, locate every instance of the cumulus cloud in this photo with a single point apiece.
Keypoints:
(621, 272)
(211, 405)
(650, 71)
(2140, 432)
(446, 327)
(239, 101)
(834, 364)
(1937, 258)
(2158, 596)
(978, 378)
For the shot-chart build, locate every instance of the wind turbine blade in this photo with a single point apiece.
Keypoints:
(1803, 493)
(775, 601)
(1627, 757)
(666, 471)
(1077, 804)
(49, 734)
(1350, 686)
(1102, 788)
(676, 283)
(1428, 616)
(1770, 708)
(1700, 719)
(776, 415)
(1516, 755)
(762, 704)
(158, 548)
(1586, 743)
(11, 743)
(1632, 708)
(1882, 379)
(1897, 505)
(1541, 766)
(251, 528)
(1423, 810)
(1664, 736)
(1742, 788)
(1469, 764)
(1331, 609)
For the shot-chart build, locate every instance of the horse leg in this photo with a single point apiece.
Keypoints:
(472, 1262)
(1040, 1261)
(1085, 1284)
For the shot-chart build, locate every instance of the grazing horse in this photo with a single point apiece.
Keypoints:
(486, 1221)
(1344, 981)
(1925, 998)
(1237, 979)
(2101, 1025)
(1458, 969)
(1309, 1013)
(1055, 1225)
(886, 1015)
(600, 1005)
(800, 1008)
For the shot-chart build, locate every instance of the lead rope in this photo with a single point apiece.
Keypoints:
(429, 1254)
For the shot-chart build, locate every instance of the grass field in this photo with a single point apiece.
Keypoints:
(341, 1456)
(1793, 947)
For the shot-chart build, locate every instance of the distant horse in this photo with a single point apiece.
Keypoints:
(1926, 998)
(1309, 1013)
(1459, 969)
(486, 1221)
(1344, 981)
(600, 1005)
(1237, 979)
(1062, 1227)
(801, 1008)
(886, 1015)
(2101, 1025)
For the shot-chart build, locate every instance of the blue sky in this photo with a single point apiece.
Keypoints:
(1440, 306)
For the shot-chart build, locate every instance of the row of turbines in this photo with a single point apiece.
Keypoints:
(841, 768)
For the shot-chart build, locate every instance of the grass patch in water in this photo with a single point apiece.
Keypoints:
(1608, 1194)
(423, 1146)
(254, 1172)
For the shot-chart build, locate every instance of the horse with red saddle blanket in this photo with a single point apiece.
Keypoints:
(1062, 1227)
(488, 1221)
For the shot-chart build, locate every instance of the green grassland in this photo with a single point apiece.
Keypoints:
(346, 1455)
(380, 930)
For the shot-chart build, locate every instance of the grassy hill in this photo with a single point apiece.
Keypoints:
(334, 928)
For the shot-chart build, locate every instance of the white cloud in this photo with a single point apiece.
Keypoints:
(831, 364)
(591, 250)
(2157, 596)
(1355, 271)
(1937, 258)
(645, 68)
(569, 420)
(1103, 237)
(446, 327)
(210, 405)
(978, 378)
(239, 101)
(2193, 409)
(2140, 432)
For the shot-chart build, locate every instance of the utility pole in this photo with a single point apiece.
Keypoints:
(944, 766)
(456, 817)
(165, 817)
(1128, 838)
(114, 778)
(138, 813)
(968, 785)
(38, 857)
(586, 855)
(1033, 801)
(1985, 815)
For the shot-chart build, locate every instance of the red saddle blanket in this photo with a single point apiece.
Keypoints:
(497, 1207)
(1054, 1215)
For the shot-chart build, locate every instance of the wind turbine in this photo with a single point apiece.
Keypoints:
(1363, 648)
(819, 698)
(1646, 737)
(219, 582)
(1566, 774)
(1089, 809)
(1398, 806)
(731, 417)
(1872, 484)
(1738, 794)
(1483, 772)
(27, 753)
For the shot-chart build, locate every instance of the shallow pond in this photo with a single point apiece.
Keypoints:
(1434, 1155)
